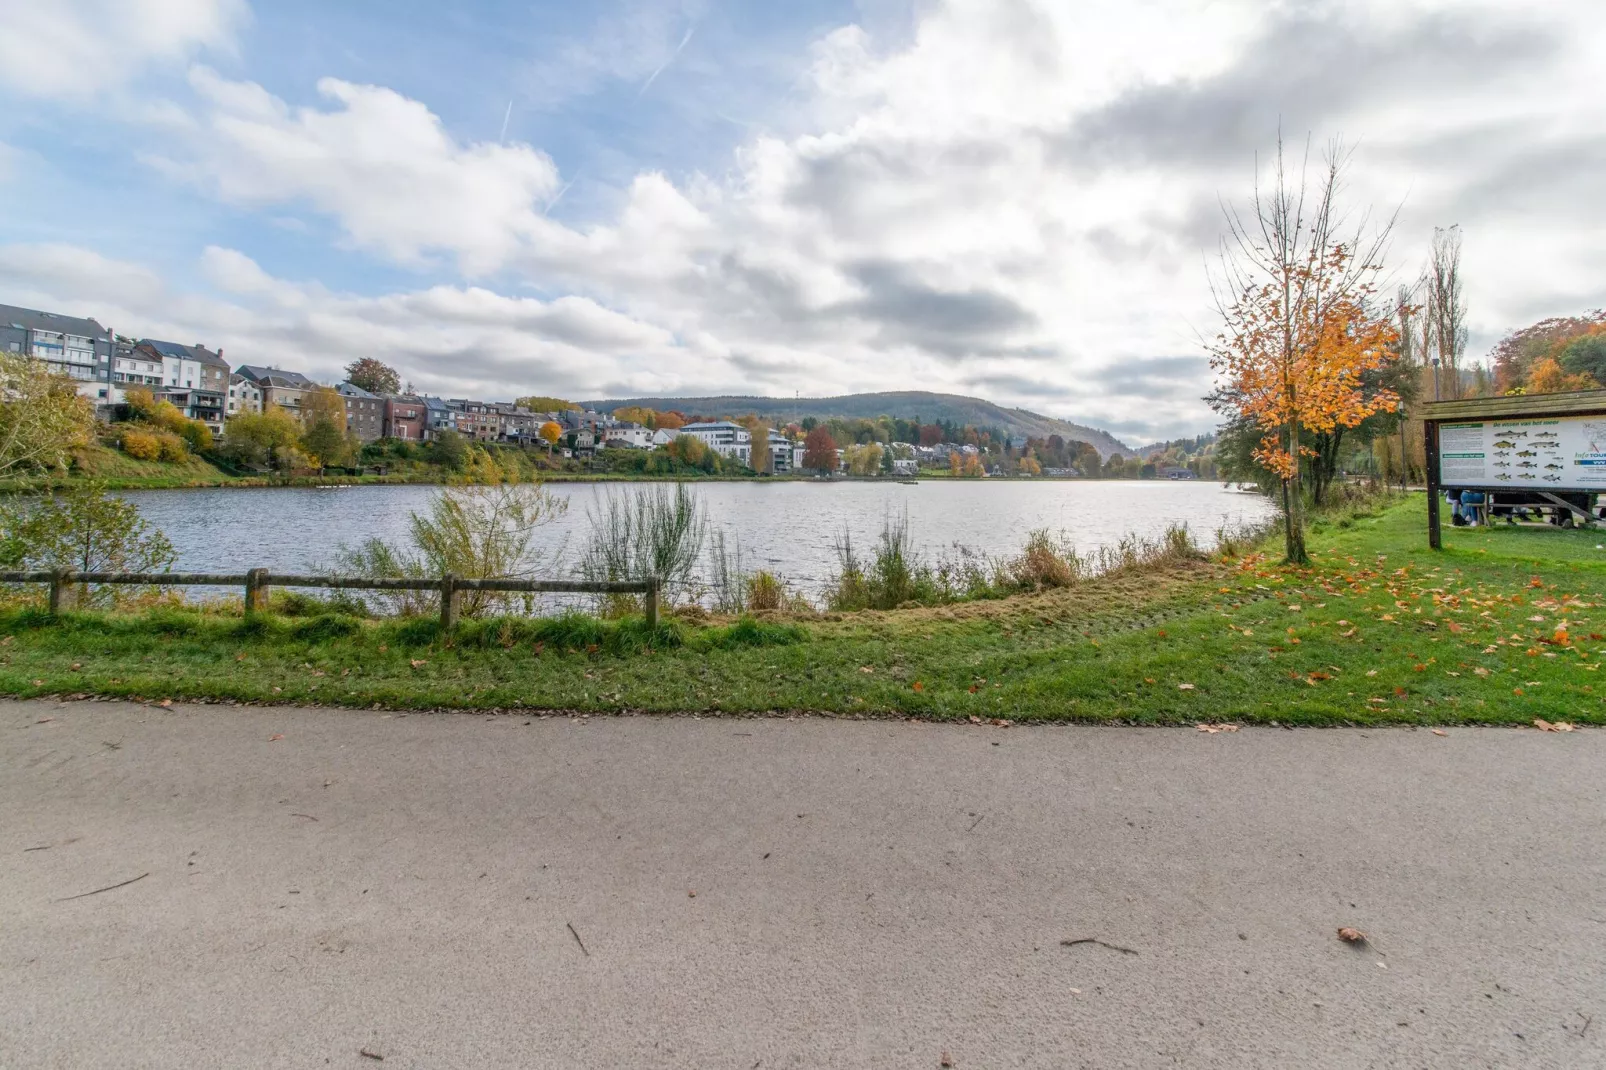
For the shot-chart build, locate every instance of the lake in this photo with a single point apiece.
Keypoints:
(785, 526)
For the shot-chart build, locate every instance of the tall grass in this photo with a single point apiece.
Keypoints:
(474, 532)
(898, 575)
(644, 532)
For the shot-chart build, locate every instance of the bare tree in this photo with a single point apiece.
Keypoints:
(1447, 309)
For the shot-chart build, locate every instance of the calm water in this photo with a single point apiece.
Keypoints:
(785, 526)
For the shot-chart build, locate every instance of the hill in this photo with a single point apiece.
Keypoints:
(900, 404)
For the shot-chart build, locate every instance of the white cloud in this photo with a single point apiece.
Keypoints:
(1015, 199)
(74, 49)
(382, 164)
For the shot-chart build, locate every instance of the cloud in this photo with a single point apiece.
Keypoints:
(76, 49)
(1013, 197)
(1308, 67)
(382, 164)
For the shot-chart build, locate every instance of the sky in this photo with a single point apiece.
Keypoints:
(1015, 199)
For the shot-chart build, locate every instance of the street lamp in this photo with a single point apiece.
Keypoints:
(1435, 378)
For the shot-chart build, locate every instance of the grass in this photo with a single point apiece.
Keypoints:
(1378, 630)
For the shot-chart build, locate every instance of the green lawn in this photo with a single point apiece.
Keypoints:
(1502, 626)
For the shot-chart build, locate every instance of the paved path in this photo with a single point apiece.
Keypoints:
(866, 894)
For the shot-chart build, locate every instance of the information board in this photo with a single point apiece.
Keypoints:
(1543, 453)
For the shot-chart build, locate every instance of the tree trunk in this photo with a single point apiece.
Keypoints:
(1294, 506)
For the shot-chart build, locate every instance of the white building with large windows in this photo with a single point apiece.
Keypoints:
(80, 349)
(724, 438)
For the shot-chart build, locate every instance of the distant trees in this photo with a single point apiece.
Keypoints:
(759, 459)
(819, 450)
(537, 403)
(374, 376)
(1549, 377)
(1515, 355)
(689, 450)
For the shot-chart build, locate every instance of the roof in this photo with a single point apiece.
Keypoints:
(180, 351)
(716, 425)
(32, 320)
(351, 391)
(1572, 402)
(275, 377)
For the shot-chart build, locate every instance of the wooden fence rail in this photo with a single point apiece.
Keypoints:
(64, 583)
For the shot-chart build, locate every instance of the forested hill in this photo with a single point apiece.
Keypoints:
(902, 405)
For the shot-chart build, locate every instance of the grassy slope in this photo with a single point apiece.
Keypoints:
(1379, 630)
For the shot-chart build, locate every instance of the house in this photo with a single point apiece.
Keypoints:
(130, 367)
(905, 467)
(518, 425)
(583, 442)
(780, 453)
(365, 412)
(278, 387)
(244, 396)
(80, 349)
(723, 437)
(629, 435)
(1173, 472)
(438, 417)
(663, 437)
(406, 418)
(194, 378)
(477, 420)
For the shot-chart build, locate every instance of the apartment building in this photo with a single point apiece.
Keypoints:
(80, 349)
(723, 437)
(130, 367)
(194, 378)
(276, 386)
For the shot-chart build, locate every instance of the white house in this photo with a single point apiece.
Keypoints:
(663, 437)
(725, 438)
(634, 436)
(244, 396)
(905, 466)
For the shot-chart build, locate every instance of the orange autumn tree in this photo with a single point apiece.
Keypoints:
(1299, 332)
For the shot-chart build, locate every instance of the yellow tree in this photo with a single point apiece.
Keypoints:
(550, 433)
(1300, 336)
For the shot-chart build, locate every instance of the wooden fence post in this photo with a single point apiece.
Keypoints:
(652, 603)
(62, 595)
(451, 601)
(256, 591)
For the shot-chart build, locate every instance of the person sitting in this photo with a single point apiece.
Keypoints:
(1454, 500)
(1472, 506)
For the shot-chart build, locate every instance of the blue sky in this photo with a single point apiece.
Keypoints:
(1010, 198)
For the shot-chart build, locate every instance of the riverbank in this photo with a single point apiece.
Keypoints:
(1503, 627)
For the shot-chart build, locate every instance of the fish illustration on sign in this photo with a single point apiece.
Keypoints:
(1527, 453)
(1502, 464)
(1516, 434)
(1528, 464)
(1504, 445)
(1553, 479)
(1555, 467)
(1547, 434)
(1503, 475)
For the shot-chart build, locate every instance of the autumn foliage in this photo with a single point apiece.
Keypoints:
(1299, 332)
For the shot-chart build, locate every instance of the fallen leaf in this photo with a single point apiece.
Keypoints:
(917, 686)
(1371, 672)
(39, 683)
(946, 1060)
(1185, 687)
(691, 895)
(1351, 936)
(418, 662)
(166, 703)
(276, 737)
(865, 668)
(1440, 732)
(383, 647)
(1346, 635)
(1214, 728)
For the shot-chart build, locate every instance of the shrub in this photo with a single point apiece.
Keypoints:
(142, 445)
(86, 530)
(765, 591)
(473, 532)
(173, 447)
(644, 532)
(748, 632)
(1044, 563)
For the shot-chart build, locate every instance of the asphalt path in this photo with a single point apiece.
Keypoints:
(458, 890)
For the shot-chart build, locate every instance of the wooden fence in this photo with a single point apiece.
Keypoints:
(64, 585)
